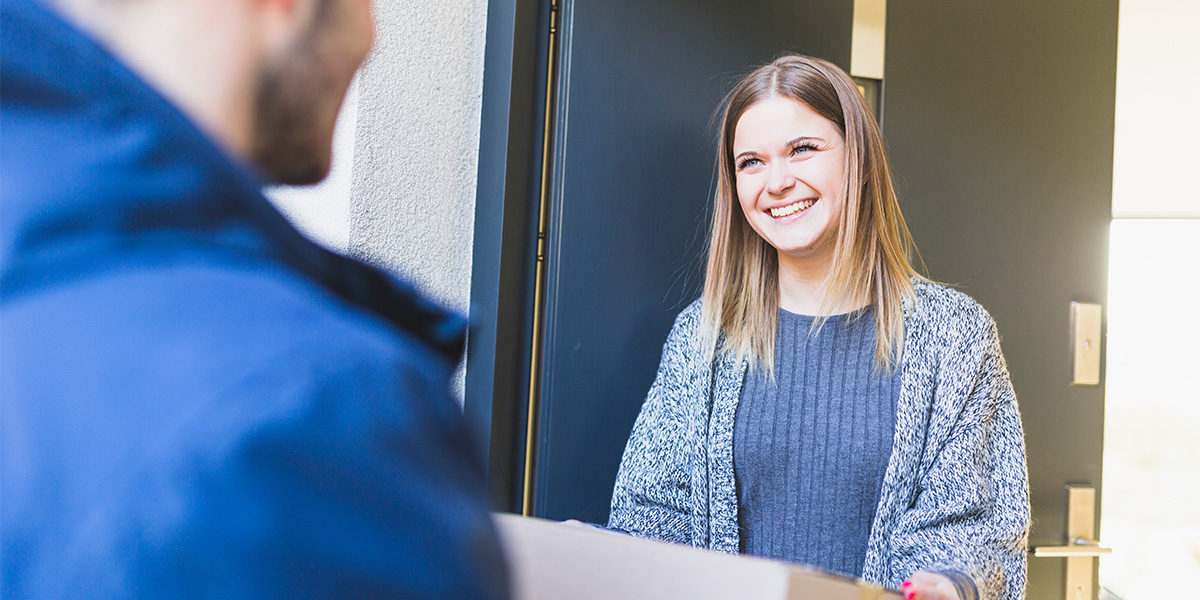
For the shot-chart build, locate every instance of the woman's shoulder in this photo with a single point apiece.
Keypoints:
(684, 338)
(689, 317)
(683, 347)
(944, 308)
(686, 328)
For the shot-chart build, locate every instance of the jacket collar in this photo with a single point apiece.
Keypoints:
(96, 162)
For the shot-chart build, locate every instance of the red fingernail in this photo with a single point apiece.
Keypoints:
(905, 584)
(910, 596)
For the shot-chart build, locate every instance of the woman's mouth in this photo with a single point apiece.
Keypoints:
(782, 211)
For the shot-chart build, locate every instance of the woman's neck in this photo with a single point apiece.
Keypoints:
(803, 285)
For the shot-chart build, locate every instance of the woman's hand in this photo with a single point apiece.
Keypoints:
(924, 585)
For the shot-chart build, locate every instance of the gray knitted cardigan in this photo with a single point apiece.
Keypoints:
(955, 494)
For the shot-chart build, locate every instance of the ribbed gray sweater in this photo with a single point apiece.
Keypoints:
(811, 446)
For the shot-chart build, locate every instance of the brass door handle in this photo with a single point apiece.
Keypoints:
(1074, 547)
(1082, 548)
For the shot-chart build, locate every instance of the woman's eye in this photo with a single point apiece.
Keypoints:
(803, 148)
(747, 163)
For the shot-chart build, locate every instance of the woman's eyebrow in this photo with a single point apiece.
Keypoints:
(790, 144)
(805, 138)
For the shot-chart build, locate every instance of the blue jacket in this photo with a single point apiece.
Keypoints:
(196, 401)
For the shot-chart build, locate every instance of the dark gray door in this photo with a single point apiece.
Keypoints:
(999, 117)
(638, 81)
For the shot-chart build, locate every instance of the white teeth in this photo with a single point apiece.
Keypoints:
(791, 209)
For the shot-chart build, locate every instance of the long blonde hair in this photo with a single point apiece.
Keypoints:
(871, 258)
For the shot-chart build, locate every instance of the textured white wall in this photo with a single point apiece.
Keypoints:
(416, 144)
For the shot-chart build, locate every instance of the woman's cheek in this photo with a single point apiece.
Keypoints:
(747, 193)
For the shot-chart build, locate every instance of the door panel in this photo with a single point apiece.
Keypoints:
(638, 83)
(999, 118)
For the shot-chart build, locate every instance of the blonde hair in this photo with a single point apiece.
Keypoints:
(871, 258)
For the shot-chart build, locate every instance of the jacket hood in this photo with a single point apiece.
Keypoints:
(95, 161)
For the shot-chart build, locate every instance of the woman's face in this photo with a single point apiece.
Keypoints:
(789, 162)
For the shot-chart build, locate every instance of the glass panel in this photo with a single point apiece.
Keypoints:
(1151, 501)
(1157, 124)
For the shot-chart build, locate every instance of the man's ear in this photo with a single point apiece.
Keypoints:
(281, 22)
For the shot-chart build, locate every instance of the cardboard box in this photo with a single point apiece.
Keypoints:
(552, 561)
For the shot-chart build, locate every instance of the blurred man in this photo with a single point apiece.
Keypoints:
(195, 401)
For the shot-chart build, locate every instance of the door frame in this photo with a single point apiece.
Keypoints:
(503, 272)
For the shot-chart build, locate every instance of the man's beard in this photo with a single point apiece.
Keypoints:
(291, 144)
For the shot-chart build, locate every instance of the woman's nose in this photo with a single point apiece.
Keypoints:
(780, 180)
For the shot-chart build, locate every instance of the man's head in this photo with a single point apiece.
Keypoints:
(265, 78)
(299, 91)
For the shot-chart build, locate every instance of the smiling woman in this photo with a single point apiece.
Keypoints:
(798, 132)
(821, 402)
